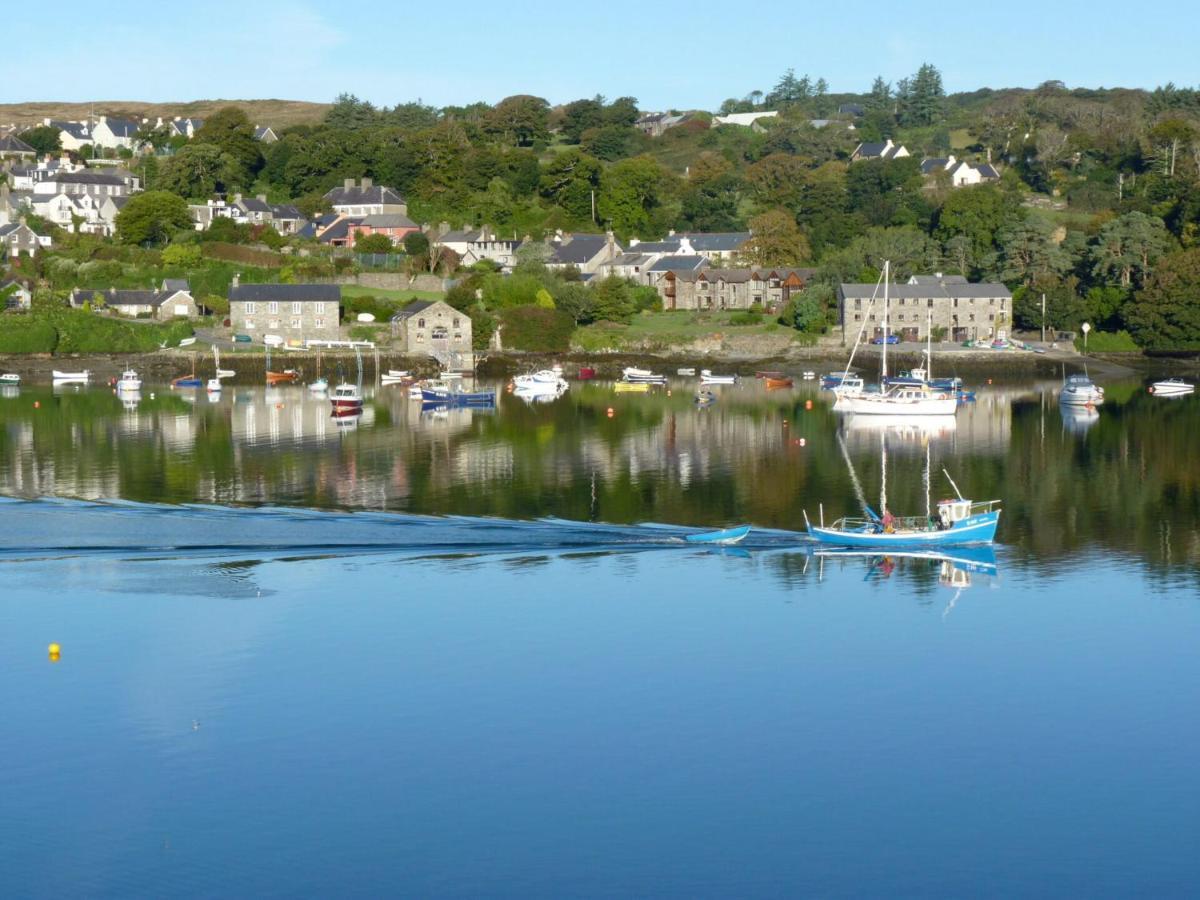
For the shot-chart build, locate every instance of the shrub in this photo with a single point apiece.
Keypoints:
(1107, 342)
(239, 254)
(374, 243)
(27, 334)
(182, 255)
(536, 329)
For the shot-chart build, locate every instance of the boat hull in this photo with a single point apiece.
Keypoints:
(865, 405)
(724, 536)
(978, 529)
(288, 377)
(1171, 388)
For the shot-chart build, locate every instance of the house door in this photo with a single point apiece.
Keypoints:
(960, 334)
(910, 335)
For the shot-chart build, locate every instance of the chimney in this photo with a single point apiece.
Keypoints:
(112, 292)
(237, 278)
(671, 233)
(237, 198)
(262, 197)
(367, 183)
(348, 184)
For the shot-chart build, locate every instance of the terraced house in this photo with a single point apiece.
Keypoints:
(952, 306)
(707, 288)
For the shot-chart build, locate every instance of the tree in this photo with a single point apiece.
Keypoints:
(922, 97)
(152, 217)
(806, 312)
(881, 95)
(776, 240)
(1127, 247)
(351, 114)
(1164, 314)
(416, 244)
(777, 180)
(157, 137)
(569, 180)
(888, 192)
(521, 120)
(1029, 253)
(374, 243)
(613, 300)
(609, 143)
(197, 172)
(632, 194)
(622, 112)
(230, 130)
(43, 139)
(711, 205)
(579, 117)
(976, 214)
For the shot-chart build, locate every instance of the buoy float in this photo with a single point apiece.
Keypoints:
(803, 442)
(668, 393)
(54, 651)
(37, 404)
(610, 412)
(989, 381)
(808, 404)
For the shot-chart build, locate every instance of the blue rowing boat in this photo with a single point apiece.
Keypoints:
(724, 536)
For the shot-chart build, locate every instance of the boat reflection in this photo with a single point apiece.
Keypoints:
(10, 391)
(903, 426)
(1078, 419)
(956, 568)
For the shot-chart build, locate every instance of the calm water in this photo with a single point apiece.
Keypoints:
(365, 700)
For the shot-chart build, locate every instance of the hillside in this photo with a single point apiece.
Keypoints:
(276, 113)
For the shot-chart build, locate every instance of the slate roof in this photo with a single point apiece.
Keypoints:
(253, 204)
(934, 279)
(175, 285)
(10, 143)
(121, 127)
(679, 264)
(286, 211)
(851, 109)
(716, 241)
(357, 196)
(261, 131)
(581, 248)
(931, 165)
(987, 170)
(338, 230)
(77, 130)
(154, 299)
(985, 290)
(287, 293)
(86, 178)
(388, 220)
(412, 309)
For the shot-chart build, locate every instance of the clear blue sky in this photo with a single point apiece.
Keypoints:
(689, 55)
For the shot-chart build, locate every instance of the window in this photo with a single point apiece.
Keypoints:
(858, 304)
(249, 324)
(456, 321)
(439, 333)
(319, 308)
(458, 336)
(972, 317)
(296, 322)
(931, 303)
(858, 317)
(319, 322)
(420, 323)
(295, 308)
(273, 307)
(249, 309)
(956, 303)
(420, 337)
(991, 317)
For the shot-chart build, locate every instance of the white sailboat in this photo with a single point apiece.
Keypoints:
(898, 400)
(221, 373)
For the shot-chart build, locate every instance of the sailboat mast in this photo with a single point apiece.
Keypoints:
(883, 472)
(886, 332)
(929, 347)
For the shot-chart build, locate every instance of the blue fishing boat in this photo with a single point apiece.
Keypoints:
(952, 522)
(958, 522)
(458, 398)
(724, 536)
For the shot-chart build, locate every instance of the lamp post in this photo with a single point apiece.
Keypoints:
(1085, 328)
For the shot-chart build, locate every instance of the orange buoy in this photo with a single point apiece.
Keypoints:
(37, 404)
(808, 404)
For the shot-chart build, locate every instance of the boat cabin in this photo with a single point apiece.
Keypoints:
(951, 511)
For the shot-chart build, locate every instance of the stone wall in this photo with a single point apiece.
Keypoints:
(390, 281)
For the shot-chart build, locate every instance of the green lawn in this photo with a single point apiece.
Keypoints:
(667, 328)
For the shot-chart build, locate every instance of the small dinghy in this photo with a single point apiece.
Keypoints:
(707, 377)
(9, 379)
(724, 536)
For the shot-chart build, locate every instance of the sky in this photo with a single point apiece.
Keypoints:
(668, 55)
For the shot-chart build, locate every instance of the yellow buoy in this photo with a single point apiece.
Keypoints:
(54, 651)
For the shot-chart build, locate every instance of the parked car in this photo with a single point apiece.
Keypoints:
(891, 339)
(272, 340)
(242, 339)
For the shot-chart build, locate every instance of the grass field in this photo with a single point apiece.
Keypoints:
(667, 328)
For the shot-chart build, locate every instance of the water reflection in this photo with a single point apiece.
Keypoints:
(593, 454)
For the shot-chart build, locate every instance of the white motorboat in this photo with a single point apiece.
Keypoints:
(71, 377)
(642, 376)
(9, 379)
(546, 378)
(686, 371)
(849, 385)
(346, 398)
(395, 376)
(129, 381)
(707, 377)
(1078, 390)
(1171, 387)
(809, 375)
(213, 386)
(319, 386)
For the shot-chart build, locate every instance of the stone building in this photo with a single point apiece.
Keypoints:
(301, 312)
(173, 300)
(706, 288)
(967, 311)
(437, 329)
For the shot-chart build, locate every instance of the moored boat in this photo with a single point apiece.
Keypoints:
(631, 387)
(586, 373)
(346, 397)
(129, 381)
(686, 371)
(899, 401)
(319, 386)
(71, 377)
(10, 379)
(707, 377)
(1172, 387)
(287, 376)
(187, 381)
(1078, 390)
(632, 374)
(776, 383)
(213, 386)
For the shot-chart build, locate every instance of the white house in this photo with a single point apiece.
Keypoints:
(365, 199)
(71, 135)
(117, 133)
(962, 173)
(886, 150)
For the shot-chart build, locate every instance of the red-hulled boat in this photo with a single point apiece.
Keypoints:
(586, 373)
